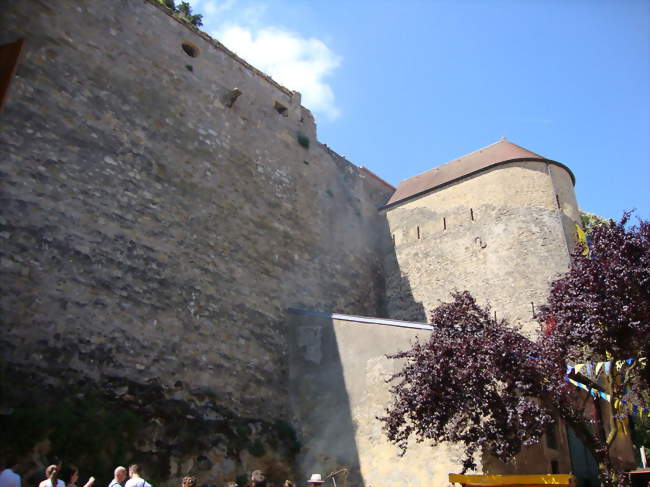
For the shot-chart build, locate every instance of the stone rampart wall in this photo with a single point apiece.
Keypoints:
(152, 235)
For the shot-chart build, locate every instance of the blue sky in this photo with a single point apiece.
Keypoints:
(401, 87)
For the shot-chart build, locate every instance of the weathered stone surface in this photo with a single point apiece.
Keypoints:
(498, 234)
(155, 235)
(154, 229)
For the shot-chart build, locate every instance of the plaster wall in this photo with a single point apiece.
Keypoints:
(498, 234)
(153, 236)
(341, 368)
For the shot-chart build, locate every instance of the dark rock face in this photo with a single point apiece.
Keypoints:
(152, 235)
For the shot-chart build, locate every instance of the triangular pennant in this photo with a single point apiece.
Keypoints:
(608, 367)
(630, 361)
(599, 367)
(588, 369)
(569, 369)
(578, 367)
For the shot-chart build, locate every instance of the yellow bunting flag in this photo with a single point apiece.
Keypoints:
(599, 366)
(582, 238)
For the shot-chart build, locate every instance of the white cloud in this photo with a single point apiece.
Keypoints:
(215, 8)
(299, 63)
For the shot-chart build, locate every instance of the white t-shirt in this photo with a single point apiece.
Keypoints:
(137, 482)
(48, 483)
(8, 478)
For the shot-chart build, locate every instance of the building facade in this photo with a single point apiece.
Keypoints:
(164, 204)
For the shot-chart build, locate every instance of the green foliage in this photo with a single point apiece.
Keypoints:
(590, 220)
(184, 11)
(303, 140)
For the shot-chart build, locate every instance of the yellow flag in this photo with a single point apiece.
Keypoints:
(582, 238)
(599, 366)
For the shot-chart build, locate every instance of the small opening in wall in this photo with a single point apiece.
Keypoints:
(281, 109)
(495, 316)
(306, 163)
(393, 235)
(532, 307)
(471, 214)
(418, 232)
(557, 200)
(190, 49)
(555, 467)
(444, 223)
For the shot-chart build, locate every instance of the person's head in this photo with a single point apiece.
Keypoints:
(134, 470)
(54, 460)
(258, 479)
(120, 474)
(70, 475)
(189, 481)
(288, 483)
(52, 472)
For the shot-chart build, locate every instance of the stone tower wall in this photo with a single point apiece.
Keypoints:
(153, 237)
(498, 233)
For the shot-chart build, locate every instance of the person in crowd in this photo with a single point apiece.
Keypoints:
(136, 480)
(258, 479)
(189, 482)
(9, 476)
(70, 475)
(288, 483)
(119, 477)
(52, 477)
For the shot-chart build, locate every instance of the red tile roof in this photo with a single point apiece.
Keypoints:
(498, 153)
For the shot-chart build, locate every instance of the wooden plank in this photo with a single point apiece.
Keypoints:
(555, 480)
(9, 56)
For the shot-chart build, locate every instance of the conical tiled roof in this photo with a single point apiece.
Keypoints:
(498, 153)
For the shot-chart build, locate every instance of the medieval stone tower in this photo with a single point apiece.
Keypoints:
(499, 222)
(164, 205)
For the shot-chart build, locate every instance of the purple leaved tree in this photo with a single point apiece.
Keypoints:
(479, 382)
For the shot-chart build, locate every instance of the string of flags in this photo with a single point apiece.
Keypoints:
(593, 370)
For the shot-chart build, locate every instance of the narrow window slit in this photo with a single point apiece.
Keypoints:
(418, 232)
(532, 306)
(557, 199)
(444, 223)
(471, 213)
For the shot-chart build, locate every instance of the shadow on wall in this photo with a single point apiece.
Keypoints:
(319, 400)
(398, 302)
